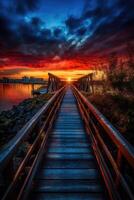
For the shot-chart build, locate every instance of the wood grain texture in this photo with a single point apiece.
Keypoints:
(68, 170)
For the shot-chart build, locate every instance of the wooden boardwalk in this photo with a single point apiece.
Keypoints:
(68, 170)
(61, 160)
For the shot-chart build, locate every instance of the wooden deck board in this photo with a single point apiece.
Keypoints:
(67, 144)
(68, 170)
(69, 164)
(67, 196)
(67, 174)
(65, 156)
(68, 186)
(69, 150)
(69, 136)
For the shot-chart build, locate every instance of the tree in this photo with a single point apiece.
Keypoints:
(130, 52)
(117, 79)
(113, 61)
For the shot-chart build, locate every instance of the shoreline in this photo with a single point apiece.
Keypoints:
(24, 83)
(11, 121)
(118, 109)
(14, 93)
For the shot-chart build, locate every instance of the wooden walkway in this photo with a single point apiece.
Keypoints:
(60, 162)
(68, 170)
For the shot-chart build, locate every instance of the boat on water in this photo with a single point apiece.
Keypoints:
(39, 91)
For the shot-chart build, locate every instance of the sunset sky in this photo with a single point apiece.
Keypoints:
(65, 37)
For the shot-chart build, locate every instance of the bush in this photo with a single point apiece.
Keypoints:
(117, 79)
(119, 109)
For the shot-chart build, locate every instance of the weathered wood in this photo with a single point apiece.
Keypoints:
(68, 174)
(68, 186)
(54, 83)
(16, 187)
(65, 156)
(85, 83)
(69, 144)
(126, 148)
(69, 164)
(8, 151)
(68, 150)
(110, 147)
(67, 195)
(68, 169)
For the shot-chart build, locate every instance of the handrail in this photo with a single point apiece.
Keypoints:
(54, 83)
(9, 149)
(16, 181)
(125, 147)
(113, 152)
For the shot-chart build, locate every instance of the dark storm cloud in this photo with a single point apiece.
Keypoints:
(14, 71)
(9, 38)
(102, 27)
(111, 25)
(73, 23)
(46, 33)
(26, 34)
(29, 37)
(113, 29)
(57, 32)
(81, 31)
(5, 29)
(26, 5)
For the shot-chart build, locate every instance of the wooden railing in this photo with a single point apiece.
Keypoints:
(85, 83)
(21, 156)
(115, 156)
(54, 83)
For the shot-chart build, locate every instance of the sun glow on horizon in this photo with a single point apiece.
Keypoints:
(69, 79)
(65, 75)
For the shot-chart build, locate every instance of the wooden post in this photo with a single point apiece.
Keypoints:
(119, 164)
(54, 83)
(85, 82)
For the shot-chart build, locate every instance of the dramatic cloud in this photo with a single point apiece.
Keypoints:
(96, 30)
(106, 27)
(24, 6)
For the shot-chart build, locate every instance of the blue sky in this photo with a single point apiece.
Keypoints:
(65, 28)
(54, 13)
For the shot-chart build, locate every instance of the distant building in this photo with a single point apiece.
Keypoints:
(25, 79)
(36, 80)
(6, 80)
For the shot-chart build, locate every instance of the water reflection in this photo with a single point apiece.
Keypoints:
(12, 94)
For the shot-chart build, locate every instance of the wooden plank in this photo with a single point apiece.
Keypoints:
(70, 126)
(69, 163)
(74, 132)
(67, 186)
(69, 129)
(62, 117)
(12, 146)
(66, 123)
(69, 144)
(65, 119)
(69, 150)
(68, 140)
(68, 174)
(74, 156)
(66, 196)
(69, 136)
(68, 170)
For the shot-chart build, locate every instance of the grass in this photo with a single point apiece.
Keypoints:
(13, 120)
(119, 110)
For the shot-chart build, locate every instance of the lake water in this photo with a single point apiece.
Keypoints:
(13, 94)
